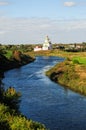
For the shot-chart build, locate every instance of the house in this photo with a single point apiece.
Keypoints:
(37, 48)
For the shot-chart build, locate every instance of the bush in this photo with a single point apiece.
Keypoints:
(75, 61)
(12, 121)
(11, 98)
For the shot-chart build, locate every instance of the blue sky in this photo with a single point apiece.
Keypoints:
(29, 21)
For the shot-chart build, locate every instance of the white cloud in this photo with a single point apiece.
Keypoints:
(2, 3)
(2, 32)
(69, 4)
(34, 30)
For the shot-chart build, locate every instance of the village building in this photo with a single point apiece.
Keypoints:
(47, 45)
(37, 48)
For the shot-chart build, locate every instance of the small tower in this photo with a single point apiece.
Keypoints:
(47, 45)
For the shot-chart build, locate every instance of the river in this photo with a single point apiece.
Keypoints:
(45, 101)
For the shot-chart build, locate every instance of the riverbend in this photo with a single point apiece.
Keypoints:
(45, 101)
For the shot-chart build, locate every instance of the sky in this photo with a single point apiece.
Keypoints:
(30, 21)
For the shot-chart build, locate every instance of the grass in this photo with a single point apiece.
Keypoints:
(79, 60)
(8, 54)
(71, 73)
(9, 120)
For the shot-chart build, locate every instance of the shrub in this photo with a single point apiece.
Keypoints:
(11, 98)
(75, 61)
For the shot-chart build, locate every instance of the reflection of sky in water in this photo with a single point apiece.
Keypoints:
(46, 101)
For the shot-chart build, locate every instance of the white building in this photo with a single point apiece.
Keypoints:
(37, 48)
(47, 45)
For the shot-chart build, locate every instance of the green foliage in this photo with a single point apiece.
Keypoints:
(21, 123)
(11, 98)
(8, 54)
(75, 61)
(12, 121)
(10, 117)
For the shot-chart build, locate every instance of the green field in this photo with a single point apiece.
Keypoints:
(79, 60)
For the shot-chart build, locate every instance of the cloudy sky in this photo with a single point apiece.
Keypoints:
(29, 21)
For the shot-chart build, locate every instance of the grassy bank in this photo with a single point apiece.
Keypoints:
(71, 73)
(56, 52)
(12, 60)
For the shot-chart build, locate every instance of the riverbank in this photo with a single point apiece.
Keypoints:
(10, 116)
(70, 73)
(17, 60)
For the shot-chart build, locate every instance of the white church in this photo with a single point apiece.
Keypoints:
(47, 45)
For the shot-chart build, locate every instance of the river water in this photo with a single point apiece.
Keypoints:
(45, 101)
